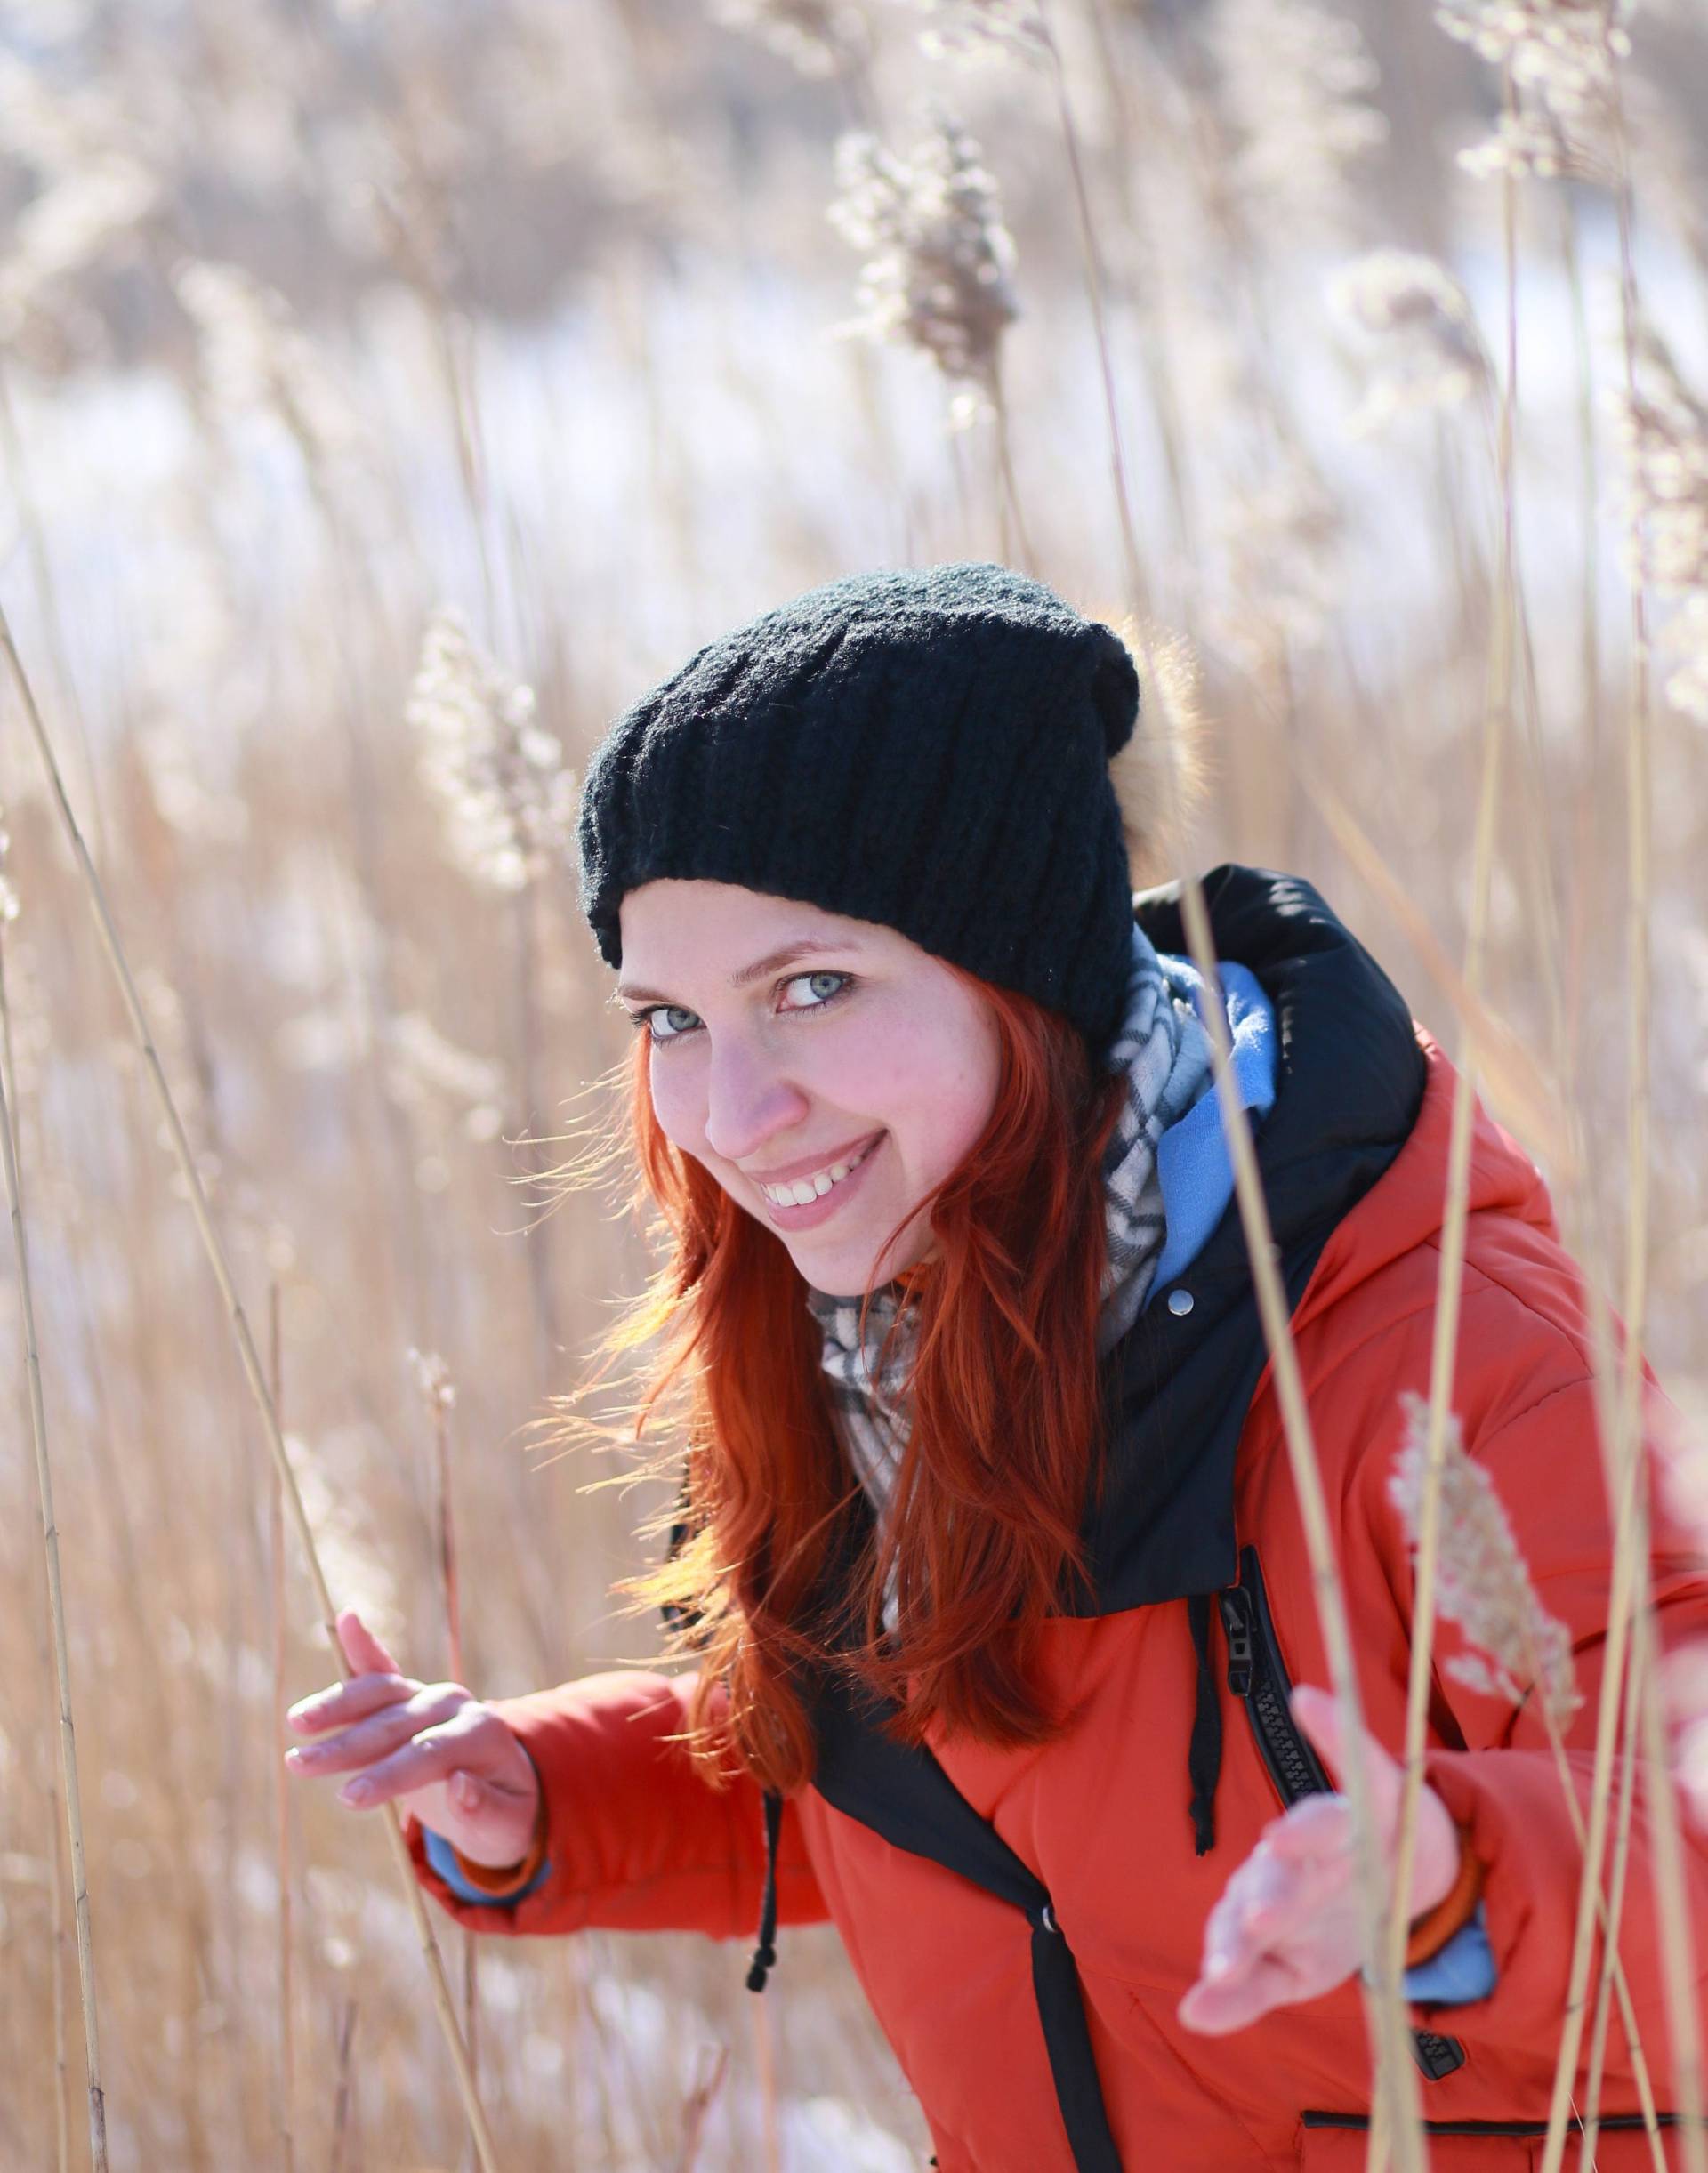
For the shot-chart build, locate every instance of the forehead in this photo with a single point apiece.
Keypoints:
(674, 923)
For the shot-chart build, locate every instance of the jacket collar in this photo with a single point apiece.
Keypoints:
(1350, 1077)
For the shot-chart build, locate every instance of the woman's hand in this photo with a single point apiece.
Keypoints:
(1288, 1926)
(430, 1748)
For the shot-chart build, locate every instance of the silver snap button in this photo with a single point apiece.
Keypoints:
(1180, 1303)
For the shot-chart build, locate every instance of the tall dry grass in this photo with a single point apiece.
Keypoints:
(385, 401)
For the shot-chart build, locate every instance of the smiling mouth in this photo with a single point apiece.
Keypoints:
(802, 1191)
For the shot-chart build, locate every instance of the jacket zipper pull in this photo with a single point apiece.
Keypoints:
(1237, 1621)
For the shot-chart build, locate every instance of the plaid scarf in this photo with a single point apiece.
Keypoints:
(1165, 1052)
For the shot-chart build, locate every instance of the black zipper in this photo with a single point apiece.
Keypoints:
(1257, 1675)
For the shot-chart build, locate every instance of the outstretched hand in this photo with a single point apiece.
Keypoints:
(1288, 1926)
(430, 1748)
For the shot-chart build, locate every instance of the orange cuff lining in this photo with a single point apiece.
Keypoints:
(500, 1881)
(1432, 1931)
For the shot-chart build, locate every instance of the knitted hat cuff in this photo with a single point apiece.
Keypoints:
(926, 749)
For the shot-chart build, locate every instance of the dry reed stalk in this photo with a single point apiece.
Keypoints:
(55, 1588)
(191, 1175)
(281, 1779)
(341, 2096)
(1517, 1648)
(1590, 667)
(1591, 2111)
(56, 1933)
(506, 796)
(1670, 1901)
(697, 2106)
(1526, 1099)
(1396, 2086)
(1154, 356)
(1444, 1342)
(1666, 1846)
(1092, 266)
(1396, 2081)
(440, 1394)
(765, 2060)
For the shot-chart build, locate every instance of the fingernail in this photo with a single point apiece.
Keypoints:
(1217, 1966)
(356, 1792)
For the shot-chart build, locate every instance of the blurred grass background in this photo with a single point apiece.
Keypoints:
(388, 395)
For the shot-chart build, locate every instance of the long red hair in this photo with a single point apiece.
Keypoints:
(983, 1531)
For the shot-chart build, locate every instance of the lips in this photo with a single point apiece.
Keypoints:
(806, 1215)
(791, 1173)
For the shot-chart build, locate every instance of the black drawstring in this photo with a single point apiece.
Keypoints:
(765, 1952)
(1203, 1756)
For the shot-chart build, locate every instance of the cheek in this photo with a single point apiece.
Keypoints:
(677, 1100)
(937, 1086)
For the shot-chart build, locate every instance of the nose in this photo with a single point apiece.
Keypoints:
(749, 1098)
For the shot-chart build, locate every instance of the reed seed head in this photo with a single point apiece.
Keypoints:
(1481, 1582)
(818, 37)
(8, 896)
(501, 784)
(938, 254)
(1563, 55)
(1425, 347)
(968, 31)
(433, 1379)
(1663, 432)
(1297, 82)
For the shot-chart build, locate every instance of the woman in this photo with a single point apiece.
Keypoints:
(988, 1547)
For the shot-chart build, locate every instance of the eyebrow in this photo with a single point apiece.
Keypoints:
(805, 946)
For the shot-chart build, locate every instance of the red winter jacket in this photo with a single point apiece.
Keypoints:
(1104, 1823)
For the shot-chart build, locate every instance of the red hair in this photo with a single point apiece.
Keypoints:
(983, 1530)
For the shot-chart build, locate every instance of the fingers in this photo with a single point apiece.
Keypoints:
(362, 1649)
(366, 1739)
(346, 1702)
(1318, 1713)
(1235, 1997)
(432, 1755)
(1319, 1828)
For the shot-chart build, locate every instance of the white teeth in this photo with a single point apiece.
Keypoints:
(804, 1190)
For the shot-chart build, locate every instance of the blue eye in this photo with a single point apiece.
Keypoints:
(641, 1019)
(820, 996)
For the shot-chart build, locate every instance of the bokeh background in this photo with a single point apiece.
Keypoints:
(388, 395)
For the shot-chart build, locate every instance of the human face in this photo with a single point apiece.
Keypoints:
(860, 1049)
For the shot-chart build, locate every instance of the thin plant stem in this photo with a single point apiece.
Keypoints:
(251, 1367)
(440, 1400)
(1450, 1280)
(281, 1779)
(1591, 2108)
(528, 1010)
(1671, 1898)
(1132, 562)
(1384, 2010)
(1012, 513)
(765, 2060)
(55, 1597)
(1678, 1944)
(697, 2106)
(1396, 2078)
(56, 1933)
(341, 2099)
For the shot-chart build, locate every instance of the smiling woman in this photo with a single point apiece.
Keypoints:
(987, 1555)
(831, 1114)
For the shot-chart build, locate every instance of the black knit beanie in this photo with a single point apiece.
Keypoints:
(927, 748)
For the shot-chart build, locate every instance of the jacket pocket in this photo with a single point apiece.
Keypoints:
(1339, 2143)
